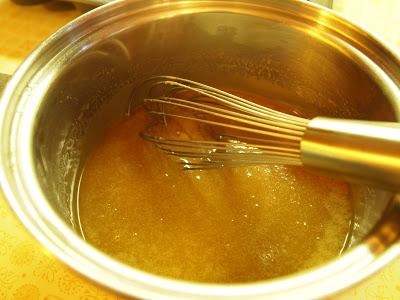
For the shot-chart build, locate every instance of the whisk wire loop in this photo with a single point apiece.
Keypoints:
(249, 133)
(226, 115)
(237, 102)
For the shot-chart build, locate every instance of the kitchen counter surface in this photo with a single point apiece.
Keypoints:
(27, 269)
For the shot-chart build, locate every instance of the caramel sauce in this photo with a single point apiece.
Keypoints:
(224, 225)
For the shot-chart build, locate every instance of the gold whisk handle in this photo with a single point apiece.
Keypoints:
(362, 151)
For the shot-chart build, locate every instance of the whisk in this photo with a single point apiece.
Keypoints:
(239, 132)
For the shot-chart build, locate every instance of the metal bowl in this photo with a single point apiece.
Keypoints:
(77, 83)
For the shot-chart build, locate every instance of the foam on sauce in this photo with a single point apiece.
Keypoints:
(226, 225)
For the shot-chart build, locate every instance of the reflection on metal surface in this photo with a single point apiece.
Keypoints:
(388, 231)
(327, 3)
(3, 81)
(90, 3)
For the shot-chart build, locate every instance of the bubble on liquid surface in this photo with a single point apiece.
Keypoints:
(212, 226)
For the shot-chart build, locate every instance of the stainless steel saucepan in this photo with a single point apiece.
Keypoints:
(77, 83)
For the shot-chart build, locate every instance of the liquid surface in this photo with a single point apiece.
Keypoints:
(226, 225)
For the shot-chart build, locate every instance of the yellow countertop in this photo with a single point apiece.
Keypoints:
(27, 269)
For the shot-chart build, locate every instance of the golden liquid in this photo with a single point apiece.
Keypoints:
(226, 225)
